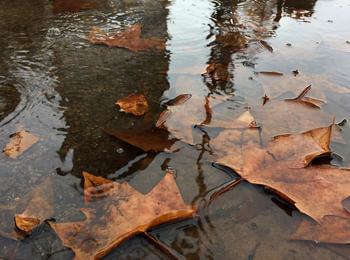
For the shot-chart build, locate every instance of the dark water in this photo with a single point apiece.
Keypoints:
(57, 85)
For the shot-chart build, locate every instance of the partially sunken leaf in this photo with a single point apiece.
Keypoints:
(283, 167)
(39, 208)
(302, 99)
(180, 99)
(332, 229)
(181, 120)
(92, 186)
(289, 116)
(150, 140)
(270, 73)
(19, 143)
(130, 39)
(36, 207)
(135, 104)
(122, 214)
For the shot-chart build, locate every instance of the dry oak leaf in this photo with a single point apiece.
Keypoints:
(283, 166)
(130, 39)
(19, 143)
(135, 104)
(119, 214)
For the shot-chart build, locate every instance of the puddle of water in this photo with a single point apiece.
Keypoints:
(58, 86)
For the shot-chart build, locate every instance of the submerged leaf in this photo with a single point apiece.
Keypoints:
(270, 73)
(150, 140)
(135, 104)
(130, 39)
(306, 100)
(39, 208)
(36, 207)
(19, 143)
(119, 215)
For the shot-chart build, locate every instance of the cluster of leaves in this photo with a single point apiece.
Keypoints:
(259, 144)
(263, 154)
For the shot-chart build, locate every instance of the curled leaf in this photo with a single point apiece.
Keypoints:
(135, 104)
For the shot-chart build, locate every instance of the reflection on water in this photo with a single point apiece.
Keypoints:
(57, 85)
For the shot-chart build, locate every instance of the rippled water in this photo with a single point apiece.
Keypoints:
(57, 85)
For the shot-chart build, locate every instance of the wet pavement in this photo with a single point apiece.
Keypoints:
(60, 87)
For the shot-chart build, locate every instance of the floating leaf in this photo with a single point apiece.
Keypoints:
(19, 143)
(121, 214)
(135, 104)
(150, 140)
(130, 39)
(283, 166)
(270, 73)
(39, 208)
(306, 100)
(266, 45)
(179, 100)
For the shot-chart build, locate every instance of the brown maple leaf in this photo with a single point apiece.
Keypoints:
(130, 39)
(118, 212)
(135, 104)
(180, 120)
(284, 167)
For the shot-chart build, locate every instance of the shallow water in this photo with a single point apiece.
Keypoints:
(58, 86)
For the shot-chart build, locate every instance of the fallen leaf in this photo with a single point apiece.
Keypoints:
(306, 100)
(149, 140)
(181, 120)
(331, 229)
(284, 167)
(121, 214)
(36, 207)
(265, 99)
(96, 184)
(19, 143)
(266, 45)
(179, 100)
(270, 73)
(130, 39)
(39, 208)
(290, 116)
(135, 104)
